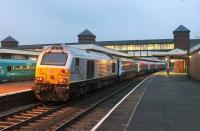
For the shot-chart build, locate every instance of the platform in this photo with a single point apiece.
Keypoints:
(160, 103)
(15, 87)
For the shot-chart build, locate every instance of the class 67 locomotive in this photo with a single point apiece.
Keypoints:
(64, 72)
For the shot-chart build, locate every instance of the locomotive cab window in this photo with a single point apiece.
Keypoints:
(51, 58)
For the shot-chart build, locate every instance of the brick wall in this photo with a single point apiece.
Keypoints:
(86, 39)
(195, 66)
(9, 44)
(181, 40)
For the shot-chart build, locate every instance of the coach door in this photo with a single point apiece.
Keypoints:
(90, 69)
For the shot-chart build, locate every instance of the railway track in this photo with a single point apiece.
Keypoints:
(86, 119)
(14, 120)
(83, 113)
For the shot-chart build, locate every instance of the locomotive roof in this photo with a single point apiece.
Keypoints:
(80, 53)
(99, 49)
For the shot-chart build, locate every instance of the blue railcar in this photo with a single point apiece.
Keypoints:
(16, 70)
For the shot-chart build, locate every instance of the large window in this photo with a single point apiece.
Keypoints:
(157, 46)
(140, 47)
(124, 47)
(58, 59)
(171, 46)
(151, 47)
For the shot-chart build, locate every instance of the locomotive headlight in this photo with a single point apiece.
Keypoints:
(64, 80)
(39, 79)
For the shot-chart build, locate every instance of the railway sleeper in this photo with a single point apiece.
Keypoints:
(7, 123)
(45, 108)
(13, 119)
(40, 110)
(28, 114)
(22, 117)
(3, 126)
(34, 112)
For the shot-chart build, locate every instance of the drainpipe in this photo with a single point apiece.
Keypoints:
(188, 62)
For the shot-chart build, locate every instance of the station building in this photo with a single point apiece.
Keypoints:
(194, 63)
(9, 50)
(176, 50)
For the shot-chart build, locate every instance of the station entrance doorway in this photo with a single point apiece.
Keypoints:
(178, 65)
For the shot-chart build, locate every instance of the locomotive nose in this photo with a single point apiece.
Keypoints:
(52, 76)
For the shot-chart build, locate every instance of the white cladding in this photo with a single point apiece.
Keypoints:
(86, 54)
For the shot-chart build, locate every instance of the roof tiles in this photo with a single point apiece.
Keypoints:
(86, 32)
(9, 39)
(181, 28)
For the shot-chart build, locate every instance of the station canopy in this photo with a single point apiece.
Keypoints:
(175, 52)
(20, 52)
(195, 48)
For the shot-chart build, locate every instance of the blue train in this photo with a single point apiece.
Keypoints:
(16, 70)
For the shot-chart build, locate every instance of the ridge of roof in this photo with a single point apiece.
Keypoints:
(9, 39)
(86, 32)
(181, 28)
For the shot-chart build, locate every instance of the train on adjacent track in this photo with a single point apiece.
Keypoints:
(64, 72)
(16, 70)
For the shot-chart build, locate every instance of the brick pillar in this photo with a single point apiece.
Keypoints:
(182, 38)
(182, 41)
(86, 37)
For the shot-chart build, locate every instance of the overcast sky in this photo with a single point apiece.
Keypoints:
(50, 21)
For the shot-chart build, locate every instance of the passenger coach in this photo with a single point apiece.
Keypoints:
(16, 70)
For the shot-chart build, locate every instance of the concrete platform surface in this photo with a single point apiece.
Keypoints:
(160, 103)
(15, 87)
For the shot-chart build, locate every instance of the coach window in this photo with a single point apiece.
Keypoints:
(24, 67)
(9, 68)
(18, 67)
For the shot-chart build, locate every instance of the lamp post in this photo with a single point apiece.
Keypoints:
(168, 60)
